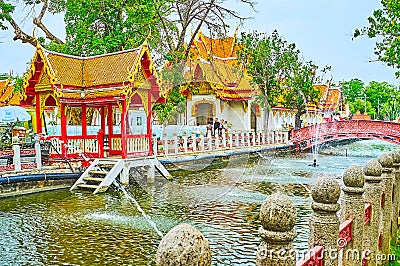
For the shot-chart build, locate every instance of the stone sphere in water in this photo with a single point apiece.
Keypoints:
(354, 176)
(278, 213)
(373, 168)
(326, 190)
(184, 245)
(386, 160)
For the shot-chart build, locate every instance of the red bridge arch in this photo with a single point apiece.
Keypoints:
(306, 137)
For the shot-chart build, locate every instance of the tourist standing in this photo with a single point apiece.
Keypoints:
(216, 125)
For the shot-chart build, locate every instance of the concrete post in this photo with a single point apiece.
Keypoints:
(155, 146)
(17, 157)
(372, 196)
(237, 139)
(151, 173)
(396, 194)
(176, 144)
(278, 217)
(165, 138)
(124, 176)
(386, 160)
(324, 223)
(184, 245)
(38, 155)
(352, 208)
(230, 140)
(223, 138)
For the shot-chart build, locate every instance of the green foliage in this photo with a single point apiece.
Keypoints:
(168, 112)
(278, 70)
(103, 26)
(269, 60)
(384, 24)
(18, 83)
(352, 90)
(5, 14)
(380, 99)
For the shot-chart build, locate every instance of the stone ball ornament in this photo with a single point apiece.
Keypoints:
(278, 213)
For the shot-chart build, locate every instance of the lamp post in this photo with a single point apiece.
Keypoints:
(365, 103)
(378, 108)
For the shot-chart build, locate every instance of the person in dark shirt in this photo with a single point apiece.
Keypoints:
(216, 125)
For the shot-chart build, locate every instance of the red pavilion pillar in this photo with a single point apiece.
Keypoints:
(124, 138)
(84, 124)
(63, 129)
(149, 123)
(38, 114)
(110, 125)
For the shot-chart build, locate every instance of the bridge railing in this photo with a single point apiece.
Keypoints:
(306, 137)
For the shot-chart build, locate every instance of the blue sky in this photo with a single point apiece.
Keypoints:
(321, 29)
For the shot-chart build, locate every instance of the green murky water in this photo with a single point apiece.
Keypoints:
(220, 198)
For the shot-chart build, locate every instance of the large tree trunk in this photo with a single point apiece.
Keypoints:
(297, 122)
(266, 111)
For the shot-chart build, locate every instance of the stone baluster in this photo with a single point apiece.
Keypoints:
(372, 196)
(209, 141)
(263, 137)
(386, 160)
(352, 208)
(243, 135)
(202, 143)
(278, 217)
(155, 146)
(396, 193)
(237, 139)
(248, 139)
(230, 140)
(194, 143)
(253, 138)
(324, 222)
(184, 245)
(185, 143)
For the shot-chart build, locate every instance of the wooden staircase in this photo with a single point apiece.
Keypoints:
(102, 172)
(99, 175)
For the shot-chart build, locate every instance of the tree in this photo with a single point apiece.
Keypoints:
(352, 89)
(301, 91)
(269, 61)
(385, 24)
(100, 26)
(281, 75)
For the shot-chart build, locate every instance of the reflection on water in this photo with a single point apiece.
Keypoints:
(222, 201)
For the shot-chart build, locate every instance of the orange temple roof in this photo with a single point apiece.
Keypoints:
(7, 94)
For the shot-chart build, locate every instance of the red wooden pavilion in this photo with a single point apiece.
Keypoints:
(108, 84)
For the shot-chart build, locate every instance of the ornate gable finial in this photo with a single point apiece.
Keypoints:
(34, 37)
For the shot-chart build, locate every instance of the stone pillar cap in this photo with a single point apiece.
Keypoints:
(396, 156)
(326, 190)
(278, 213)
(386, 160)
(184, 245)
(373, 168)
(354, 177)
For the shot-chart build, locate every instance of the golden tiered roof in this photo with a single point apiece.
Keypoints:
(7, 94)
(213, 61)
(92, 71)
(98, 76)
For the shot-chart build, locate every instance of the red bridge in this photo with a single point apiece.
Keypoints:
(305, 138)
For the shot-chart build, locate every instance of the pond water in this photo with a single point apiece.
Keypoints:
(221, 198)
